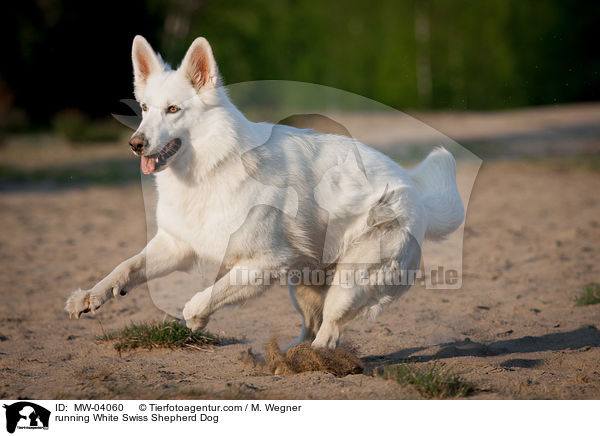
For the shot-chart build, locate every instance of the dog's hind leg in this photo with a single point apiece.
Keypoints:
(400, 255)
(162, 255)
(342, 304)
(308, 301)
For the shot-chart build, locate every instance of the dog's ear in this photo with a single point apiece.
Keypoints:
(145, 61)
(199, 65)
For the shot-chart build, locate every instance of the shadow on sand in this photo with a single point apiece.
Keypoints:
(582, 337)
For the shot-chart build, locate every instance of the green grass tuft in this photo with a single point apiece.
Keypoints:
(589, 295)
(166, 334)
(429, 381)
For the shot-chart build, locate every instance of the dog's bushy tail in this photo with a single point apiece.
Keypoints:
(435, 179)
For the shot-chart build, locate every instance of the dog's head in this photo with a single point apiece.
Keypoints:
(173, 102)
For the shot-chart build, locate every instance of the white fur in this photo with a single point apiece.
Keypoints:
(320, 208)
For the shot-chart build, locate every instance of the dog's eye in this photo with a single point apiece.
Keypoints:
(172, 109)
(144, 107)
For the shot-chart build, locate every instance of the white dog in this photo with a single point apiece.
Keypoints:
(262, 197)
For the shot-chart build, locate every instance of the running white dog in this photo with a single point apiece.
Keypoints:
(262, 197)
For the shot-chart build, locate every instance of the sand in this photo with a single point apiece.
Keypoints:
(513, 329)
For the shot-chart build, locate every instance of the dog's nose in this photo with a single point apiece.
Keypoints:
(137, 143)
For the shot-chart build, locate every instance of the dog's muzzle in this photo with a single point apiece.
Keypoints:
(158, 161)
(138, 143)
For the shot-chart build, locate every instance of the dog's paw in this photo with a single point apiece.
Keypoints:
(196, 323)
(196, 311)
(81, 302)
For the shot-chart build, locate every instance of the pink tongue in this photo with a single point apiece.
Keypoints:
(148, 164)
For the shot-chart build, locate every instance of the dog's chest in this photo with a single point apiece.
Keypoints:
(205, 220)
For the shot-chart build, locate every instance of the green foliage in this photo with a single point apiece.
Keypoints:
(429, 381)
(166, 334)
(589, 295)
(74, 126)
(481, 55)
(429, 54)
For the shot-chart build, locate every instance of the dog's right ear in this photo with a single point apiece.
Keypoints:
(145, 61)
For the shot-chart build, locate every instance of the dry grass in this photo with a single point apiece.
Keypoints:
(304, 358)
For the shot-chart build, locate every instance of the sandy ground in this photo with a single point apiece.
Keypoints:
(531, 241)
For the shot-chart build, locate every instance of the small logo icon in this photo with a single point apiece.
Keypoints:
(26, 415)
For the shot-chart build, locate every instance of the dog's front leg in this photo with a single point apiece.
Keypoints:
(234, 287)
(163, 255)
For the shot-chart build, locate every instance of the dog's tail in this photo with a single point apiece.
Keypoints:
(435, 179)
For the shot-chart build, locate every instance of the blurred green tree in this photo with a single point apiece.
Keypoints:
(421, 54)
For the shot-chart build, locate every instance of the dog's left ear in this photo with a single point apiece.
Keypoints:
(199, 65)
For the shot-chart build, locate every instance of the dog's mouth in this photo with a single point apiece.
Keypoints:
(158, 161)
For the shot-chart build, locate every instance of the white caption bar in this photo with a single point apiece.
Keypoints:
(151, 417)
